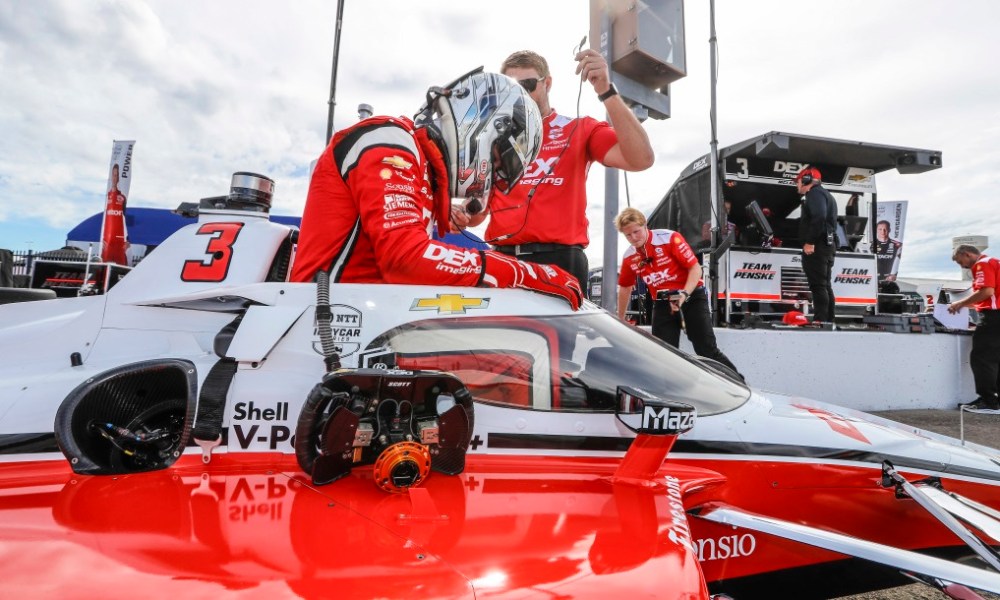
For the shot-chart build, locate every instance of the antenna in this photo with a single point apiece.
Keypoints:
(332, 102)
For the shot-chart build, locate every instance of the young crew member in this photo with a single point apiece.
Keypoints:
(665, 262)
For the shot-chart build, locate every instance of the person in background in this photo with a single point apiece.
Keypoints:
(380, 185)
(817, 228)
(984, 358)
(706, 228)
(543, 219)
(665, 262)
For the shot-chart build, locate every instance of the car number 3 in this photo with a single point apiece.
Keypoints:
(219, 253)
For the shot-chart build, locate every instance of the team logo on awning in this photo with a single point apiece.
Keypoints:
(449, 304)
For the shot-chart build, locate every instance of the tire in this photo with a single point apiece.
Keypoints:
(10, 295)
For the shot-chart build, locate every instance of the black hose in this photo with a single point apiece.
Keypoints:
(324, 317)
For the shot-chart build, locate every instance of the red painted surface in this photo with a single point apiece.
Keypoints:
(256, 527)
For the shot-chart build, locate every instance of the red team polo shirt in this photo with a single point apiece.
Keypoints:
(663, 262)
(557, 213)
(986, 273)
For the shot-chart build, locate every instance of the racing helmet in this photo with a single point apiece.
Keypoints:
(489, 130)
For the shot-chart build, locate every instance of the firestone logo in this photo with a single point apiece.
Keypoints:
(680, 531)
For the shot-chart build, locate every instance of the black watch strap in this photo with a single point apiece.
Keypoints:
(612, 91)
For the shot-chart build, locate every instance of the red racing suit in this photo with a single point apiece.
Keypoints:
(986, 273)
(662, 263)
(113, 237)
(557, 210)
(374, 195)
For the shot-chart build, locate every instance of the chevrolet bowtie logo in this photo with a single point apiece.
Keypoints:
(449, 304)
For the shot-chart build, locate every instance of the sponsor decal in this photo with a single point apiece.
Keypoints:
(836, 423)
(679, 531)
(345, 326)
(555, 133)
(449, 304)
(538, 180)
(385, 174)
(540, 167)
(701, 164)
(456, 261)
(259, 427)
(789, 169)
(853, 276)
(664, 419)
(397, 162)
(727, 546)
(401, 187)
(397, 202)
(755, 271)
(658, 279)
(394, 224)
(858, 177)
(659, 251)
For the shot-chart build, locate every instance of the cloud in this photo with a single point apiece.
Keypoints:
(211, 88)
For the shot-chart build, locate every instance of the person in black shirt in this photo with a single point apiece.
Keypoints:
(816, 231)
(887, 252)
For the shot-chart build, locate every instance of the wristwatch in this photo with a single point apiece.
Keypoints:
(612, 91)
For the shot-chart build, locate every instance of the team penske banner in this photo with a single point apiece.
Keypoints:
(114, 236)
(890, 217)
(775, 275)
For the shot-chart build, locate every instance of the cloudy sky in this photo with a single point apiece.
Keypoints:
(210, 87)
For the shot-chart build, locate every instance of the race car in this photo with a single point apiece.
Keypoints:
(207, 427)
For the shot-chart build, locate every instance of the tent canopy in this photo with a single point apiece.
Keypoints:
(687, 204)
(150, 226)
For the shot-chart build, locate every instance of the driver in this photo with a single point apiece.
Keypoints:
(381, 184)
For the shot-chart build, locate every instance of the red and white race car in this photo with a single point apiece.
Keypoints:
(206, 428)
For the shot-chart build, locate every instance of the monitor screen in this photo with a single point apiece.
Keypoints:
(759, 220)
(853, 226)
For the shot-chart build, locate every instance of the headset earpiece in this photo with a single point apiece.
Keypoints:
(808, 176)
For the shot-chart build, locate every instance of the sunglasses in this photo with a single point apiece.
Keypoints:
(529, 84)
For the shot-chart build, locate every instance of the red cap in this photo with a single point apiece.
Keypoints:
(810, 171)
(794, 317)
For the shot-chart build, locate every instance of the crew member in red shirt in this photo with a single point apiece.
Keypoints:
(665, 262)
(543, 219)
(984, 358)
(380, 186)
(114, 240)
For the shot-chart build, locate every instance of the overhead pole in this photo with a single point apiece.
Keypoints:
(609, 268)
(332, 102)
(716, 198)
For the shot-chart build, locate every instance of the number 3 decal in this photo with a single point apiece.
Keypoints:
(215, 266)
